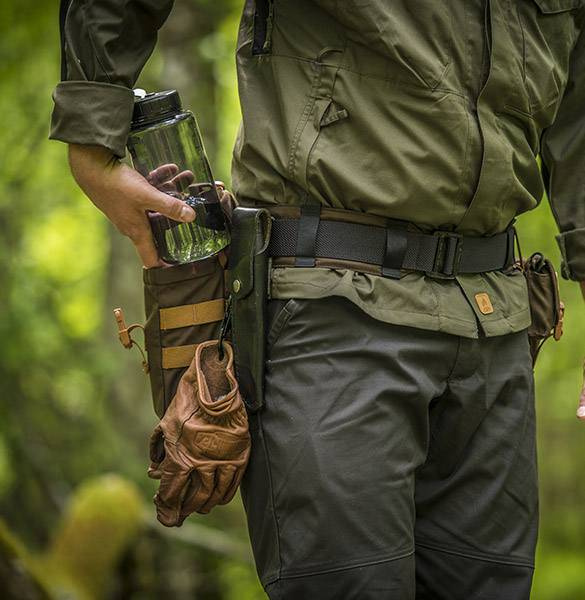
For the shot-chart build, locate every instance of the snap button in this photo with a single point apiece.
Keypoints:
(237, 285)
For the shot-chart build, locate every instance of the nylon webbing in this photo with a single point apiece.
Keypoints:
(178, 356)
(429, 253)
(395, 248)
(307, 227)
(192, 314)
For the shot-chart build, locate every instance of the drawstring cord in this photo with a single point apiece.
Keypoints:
(125, 337)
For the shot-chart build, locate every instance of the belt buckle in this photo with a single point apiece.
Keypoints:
(447, 256)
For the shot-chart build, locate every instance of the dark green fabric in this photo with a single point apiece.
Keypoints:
(431, 112)
(389, 459)
(416, 300)
(563, 154)
(572, 244)
(104, 41)
(110, 107)
(415, 139)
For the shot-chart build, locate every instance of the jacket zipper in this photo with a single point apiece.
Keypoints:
(263, 19)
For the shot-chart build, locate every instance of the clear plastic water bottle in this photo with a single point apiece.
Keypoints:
(166, 148)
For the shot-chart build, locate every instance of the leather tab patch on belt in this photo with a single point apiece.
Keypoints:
(484, 303)
(192, 314)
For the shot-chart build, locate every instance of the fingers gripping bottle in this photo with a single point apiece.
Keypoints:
(166, 148)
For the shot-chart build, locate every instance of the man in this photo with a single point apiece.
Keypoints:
(395, 454)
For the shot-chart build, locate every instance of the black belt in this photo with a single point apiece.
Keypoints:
(310, 241)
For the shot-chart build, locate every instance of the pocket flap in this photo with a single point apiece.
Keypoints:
(332, 114)
(250, 237)
(557, 6)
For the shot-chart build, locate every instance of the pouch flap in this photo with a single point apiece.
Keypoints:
(167, 276)
(250, 237)
(557, 6)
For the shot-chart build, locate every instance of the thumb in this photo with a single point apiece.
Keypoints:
(169, 206)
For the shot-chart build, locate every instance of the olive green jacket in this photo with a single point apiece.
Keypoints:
(431, 112)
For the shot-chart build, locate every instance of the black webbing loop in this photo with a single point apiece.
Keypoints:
(307, 235)
(395, 248)
(451, 248)
(510, 254)
(448, 255)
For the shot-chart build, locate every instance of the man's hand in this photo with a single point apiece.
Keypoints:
(124, 196)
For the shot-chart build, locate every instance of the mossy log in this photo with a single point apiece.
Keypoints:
(101, 522)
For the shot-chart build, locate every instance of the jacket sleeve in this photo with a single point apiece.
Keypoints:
(104, 44)
(563, 167)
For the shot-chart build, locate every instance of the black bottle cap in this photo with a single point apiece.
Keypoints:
(155, 107)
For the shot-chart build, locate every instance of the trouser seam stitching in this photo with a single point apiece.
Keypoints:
(272, 500)
(296, 575)
(475, 556)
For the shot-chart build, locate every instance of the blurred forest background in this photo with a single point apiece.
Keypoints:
(76, 520)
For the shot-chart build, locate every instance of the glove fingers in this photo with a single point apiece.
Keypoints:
(157, 452)
(224, 477)
(157, 448)
(231, 492)
(201, 488)
(154, 471)
(174, 483)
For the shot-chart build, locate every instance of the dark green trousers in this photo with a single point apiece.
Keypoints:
(391, 462)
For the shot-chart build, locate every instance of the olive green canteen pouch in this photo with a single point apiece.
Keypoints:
(184, 307)
(546, 308)
(248, 274)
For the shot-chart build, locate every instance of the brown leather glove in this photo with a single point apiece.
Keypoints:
(200, 448)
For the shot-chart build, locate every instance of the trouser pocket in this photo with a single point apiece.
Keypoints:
(184, 306)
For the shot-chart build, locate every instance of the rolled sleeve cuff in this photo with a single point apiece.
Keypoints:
(93, 113)
(572, 245)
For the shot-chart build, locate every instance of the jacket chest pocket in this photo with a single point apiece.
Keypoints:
(547, 37)
(420, 38)
(413, 38)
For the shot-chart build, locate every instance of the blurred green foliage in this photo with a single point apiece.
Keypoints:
(75, 405)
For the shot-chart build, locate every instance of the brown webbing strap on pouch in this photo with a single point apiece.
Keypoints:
(192, 314)
(178, 356)
(175, 317)
(187, 315)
